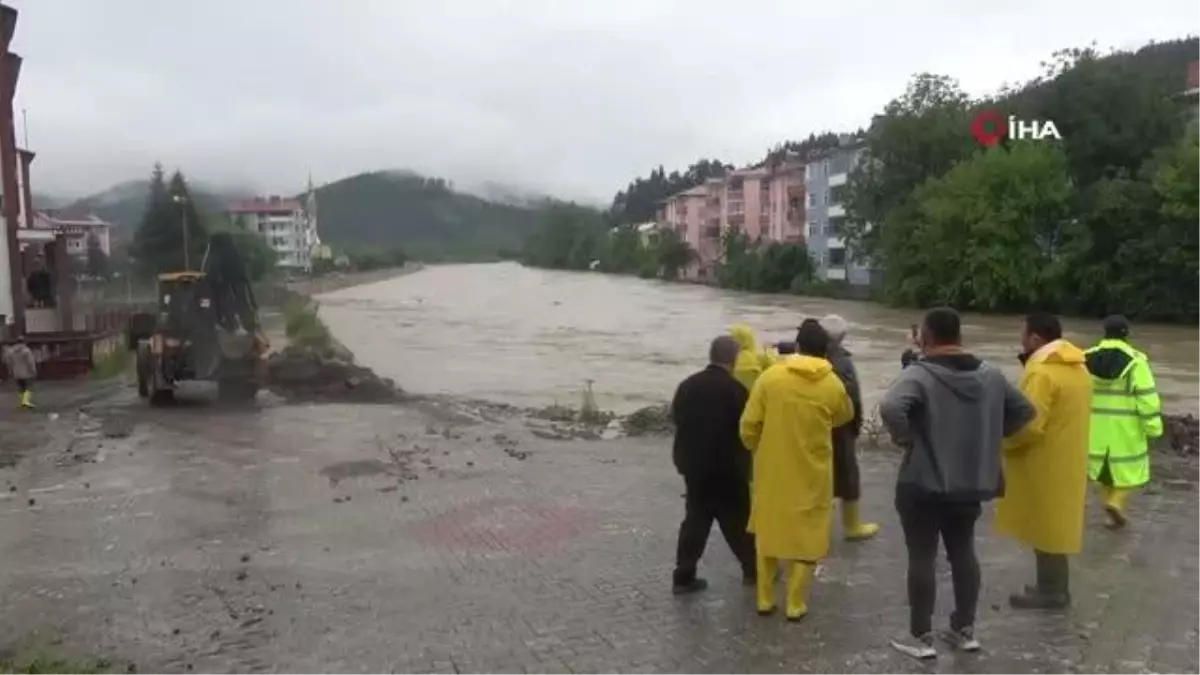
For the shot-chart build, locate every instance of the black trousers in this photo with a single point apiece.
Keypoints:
(924, 522)
(846, 484)
(22, 385)
(724, 498)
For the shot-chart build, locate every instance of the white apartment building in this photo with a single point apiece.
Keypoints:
(287, 225)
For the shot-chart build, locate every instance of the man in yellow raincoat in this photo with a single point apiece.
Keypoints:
(751, 360)
(1126, 416)
(788, 425)
(1045, 464)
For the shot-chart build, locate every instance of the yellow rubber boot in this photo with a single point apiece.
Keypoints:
(855, 529)
(799, 580)
(27, 399)
(764, 586)
(1115, 507)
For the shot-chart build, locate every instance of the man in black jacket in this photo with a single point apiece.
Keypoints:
(709, 454)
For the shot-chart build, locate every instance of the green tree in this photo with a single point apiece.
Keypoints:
(986, 236)
(158, 244)
(672, 253)
(569, 236)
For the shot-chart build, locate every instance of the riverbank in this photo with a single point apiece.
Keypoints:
(336, 281)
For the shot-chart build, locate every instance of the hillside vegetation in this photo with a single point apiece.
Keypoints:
(424, 216)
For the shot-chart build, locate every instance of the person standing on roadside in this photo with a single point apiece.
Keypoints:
(1126, 417)
(788, 426)
(846, 482)
(1045, 465)
(22, 368)
(709, 454)
(913, 352)
(949, 412)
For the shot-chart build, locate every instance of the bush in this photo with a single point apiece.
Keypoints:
(303, 327)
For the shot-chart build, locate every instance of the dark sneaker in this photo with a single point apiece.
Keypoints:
(1039, 600)
(962, 639)
(694, 586)
(918, 647)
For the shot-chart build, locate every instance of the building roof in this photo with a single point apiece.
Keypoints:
(70, 218)
(272, 204)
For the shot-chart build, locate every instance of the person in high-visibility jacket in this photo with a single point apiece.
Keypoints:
(1126, 416)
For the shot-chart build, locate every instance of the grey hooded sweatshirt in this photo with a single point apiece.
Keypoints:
(951, 413)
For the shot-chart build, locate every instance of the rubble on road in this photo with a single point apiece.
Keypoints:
(1181, 435)
(312, 374)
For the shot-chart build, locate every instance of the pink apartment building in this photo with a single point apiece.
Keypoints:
(766, 203)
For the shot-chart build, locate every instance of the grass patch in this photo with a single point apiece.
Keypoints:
(47, 661)
(303, 327)
(114, 364)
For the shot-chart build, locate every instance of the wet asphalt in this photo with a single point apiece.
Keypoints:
(443, 536)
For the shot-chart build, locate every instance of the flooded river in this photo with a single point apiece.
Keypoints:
(533, 337)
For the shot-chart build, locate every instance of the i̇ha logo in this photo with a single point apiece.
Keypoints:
(990, 127)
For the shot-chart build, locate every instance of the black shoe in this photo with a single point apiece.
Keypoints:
(694, 586)
(1039, 600)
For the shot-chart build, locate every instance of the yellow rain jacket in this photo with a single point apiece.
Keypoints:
(751, 361)
(787, 425)
(1045, 464)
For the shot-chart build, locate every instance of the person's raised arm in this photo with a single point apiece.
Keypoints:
(899, 400)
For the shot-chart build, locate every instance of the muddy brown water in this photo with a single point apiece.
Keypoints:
(531, 337)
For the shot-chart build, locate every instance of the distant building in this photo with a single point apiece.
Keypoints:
(288, 226)
(826, 177)
(80, 228)
(766, 203)
(1193, 80)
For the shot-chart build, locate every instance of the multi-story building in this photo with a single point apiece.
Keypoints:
(81, 229)
(766, 203)
(826, 179)
(287, 225)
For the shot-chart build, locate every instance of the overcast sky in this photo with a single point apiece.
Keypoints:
(572, 97)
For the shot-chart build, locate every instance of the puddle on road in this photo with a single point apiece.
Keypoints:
(358, 468)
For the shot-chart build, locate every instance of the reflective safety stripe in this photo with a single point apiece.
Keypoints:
(1124, 393)
(1120, 460)
(1117, 412)
(1145, 392)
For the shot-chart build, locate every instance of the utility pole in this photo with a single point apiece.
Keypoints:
(182, 202)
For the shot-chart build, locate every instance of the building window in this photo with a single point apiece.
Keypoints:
(837, 194)
(814, 199)
(837, 257)
(839, 164)
(837, 226)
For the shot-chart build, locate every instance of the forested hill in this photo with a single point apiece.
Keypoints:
(424, 216)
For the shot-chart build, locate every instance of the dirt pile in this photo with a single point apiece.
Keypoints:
(1181, 435)
(302, 373)
(651, 420)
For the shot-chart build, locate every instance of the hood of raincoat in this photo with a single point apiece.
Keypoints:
(1059, 352)
(744, 336)
(808, 367)
(960, 373)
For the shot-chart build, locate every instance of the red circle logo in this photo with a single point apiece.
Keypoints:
(989, 127)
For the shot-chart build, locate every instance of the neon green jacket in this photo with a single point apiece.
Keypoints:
(1126, 414)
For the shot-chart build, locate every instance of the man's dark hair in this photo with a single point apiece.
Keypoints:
(811, 339)
(723, 351)
(942, 326)
(1044, 325)
(1116, 327)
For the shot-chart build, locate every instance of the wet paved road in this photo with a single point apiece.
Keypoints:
(531, 337)
(373, 538)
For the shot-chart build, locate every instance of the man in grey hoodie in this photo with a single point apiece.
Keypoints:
(949, 412)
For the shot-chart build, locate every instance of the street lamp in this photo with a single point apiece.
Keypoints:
(182, 201)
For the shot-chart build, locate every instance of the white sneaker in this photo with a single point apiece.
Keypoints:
(963, 639)
(919, 647)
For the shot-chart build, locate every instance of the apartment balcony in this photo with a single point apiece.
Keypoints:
(737, 219)
(837, 179)
(712, 232)
(836, 211)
